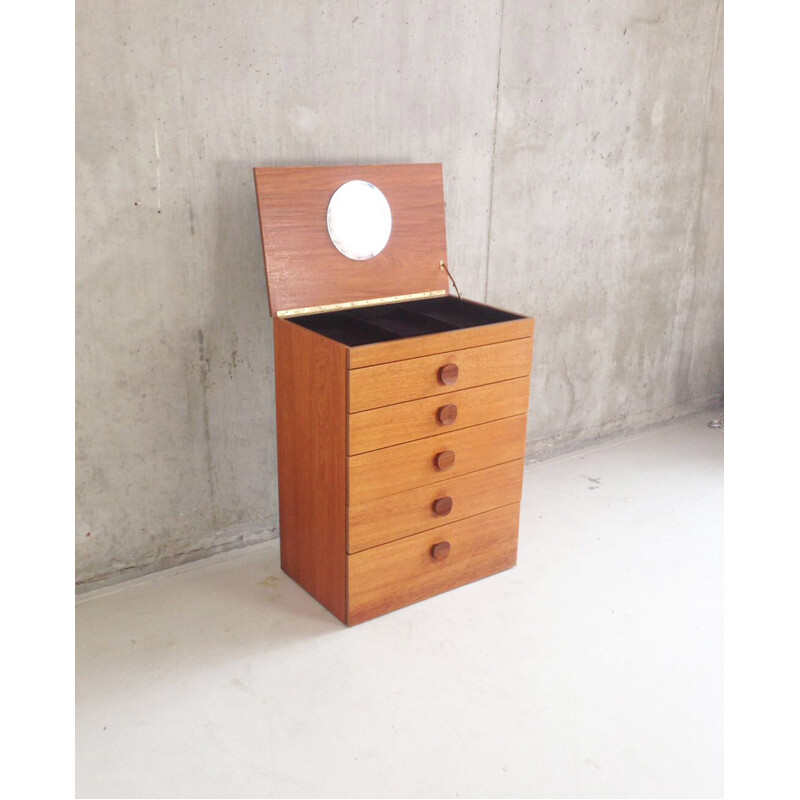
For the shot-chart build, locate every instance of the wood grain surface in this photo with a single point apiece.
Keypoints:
(310, 395)
(397, 574)
(416, 346)
(303, 266)
(417, 419)
(399, 381)
(389, 518)
(405, 466)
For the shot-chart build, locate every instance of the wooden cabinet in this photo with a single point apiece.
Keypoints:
(401, 409)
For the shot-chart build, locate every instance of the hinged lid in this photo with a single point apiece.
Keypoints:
(306, 273)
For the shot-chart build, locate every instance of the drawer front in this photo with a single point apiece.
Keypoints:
(437, 458)
(432, 343)
(433, 506)
(397, 574)
(417, 419)
(413, 378)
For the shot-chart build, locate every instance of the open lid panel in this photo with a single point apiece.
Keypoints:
(307, 274)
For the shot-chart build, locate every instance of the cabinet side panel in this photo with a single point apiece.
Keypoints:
(311, 411)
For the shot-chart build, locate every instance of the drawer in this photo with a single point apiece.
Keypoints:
(397, 574)
(406, 466)
(452, 370)
(432, 506)
(417, 419)
(384, 352)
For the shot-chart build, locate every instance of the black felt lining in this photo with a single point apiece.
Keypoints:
(383, 323)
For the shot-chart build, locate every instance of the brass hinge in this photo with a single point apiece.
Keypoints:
(378, 301)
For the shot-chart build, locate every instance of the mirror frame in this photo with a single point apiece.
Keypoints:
(349, 237)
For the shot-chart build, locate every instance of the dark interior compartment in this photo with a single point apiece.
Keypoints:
(381, 323)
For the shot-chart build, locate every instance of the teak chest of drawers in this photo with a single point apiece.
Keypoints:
(401, 410)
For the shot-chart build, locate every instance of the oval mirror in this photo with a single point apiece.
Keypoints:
(359, 220)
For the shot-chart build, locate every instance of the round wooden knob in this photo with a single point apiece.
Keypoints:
(440, 551)
(447, 414)
(442, 506)
(448, 374)
(444, 460)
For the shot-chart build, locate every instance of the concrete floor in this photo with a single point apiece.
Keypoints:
(592, 669)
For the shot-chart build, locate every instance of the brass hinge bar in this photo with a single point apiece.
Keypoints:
(378, 301)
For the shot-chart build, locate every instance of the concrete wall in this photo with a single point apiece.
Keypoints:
(582, 149)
